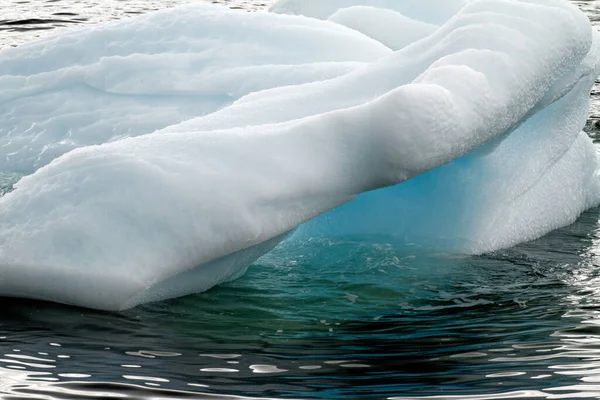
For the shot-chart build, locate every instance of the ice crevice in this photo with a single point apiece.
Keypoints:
(163, 154)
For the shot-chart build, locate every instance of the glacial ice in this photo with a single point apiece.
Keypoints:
(162, 155)
(392, 28)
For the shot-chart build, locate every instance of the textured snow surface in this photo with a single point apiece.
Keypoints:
(162, 155)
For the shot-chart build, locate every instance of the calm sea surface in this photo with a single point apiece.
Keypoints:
(353, 319)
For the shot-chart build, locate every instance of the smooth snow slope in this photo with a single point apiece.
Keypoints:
(164, 154)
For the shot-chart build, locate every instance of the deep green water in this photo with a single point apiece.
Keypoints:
(357, 318)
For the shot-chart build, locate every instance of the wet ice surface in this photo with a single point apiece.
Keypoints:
(21, 21)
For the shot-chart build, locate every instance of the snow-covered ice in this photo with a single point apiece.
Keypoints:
(163, 154)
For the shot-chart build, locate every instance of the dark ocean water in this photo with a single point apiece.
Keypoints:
(349, 319)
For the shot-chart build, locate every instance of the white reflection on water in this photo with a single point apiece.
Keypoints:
(580, 350)
(572, 352)
(41, 385)
(520, 394)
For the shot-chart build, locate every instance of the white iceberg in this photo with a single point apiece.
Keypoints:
(161, 155)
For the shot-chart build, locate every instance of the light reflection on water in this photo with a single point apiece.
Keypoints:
(365, 321)
(352, 319)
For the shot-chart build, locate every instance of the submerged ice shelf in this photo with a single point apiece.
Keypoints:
(163, 154)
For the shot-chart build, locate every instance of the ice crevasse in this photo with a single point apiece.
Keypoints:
(161, 155)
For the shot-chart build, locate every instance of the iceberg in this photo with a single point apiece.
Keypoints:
(159, 156)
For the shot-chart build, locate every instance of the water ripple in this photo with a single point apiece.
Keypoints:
(357, 318)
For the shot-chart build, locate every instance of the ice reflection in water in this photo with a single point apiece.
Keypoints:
(342, 319)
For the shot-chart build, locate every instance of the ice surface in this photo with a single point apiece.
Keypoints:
(163, 154)
(430, 11)
(132, 77)
(392, 28)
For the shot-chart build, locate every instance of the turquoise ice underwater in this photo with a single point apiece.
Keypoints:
(195, 139)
